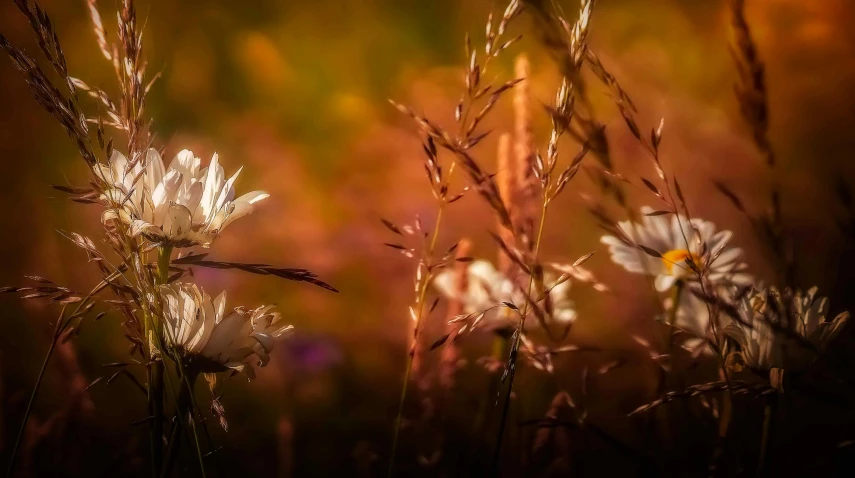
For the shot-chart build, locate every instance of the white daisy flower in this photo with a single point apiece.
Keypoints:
(706, 249)
(693, 319)
(487, 288)
(213, 339)
(773, 323)
(692, 316)
(183, 205)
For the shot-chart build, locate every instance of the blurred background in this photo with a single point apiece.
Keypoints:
(296, 93)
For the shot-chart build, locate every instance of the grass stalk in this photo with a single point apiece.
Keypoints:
(183, 408)
(764, 440)
(411, 354)
(676, 294)
(155, 396)
(56, 334)
(515, 345)
(724, 416)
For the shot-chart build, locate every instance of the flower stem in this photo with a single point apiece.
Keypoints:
(56, 335)
(500, 344)
(411, 353)
(764, 441)
(164, 254)
(183, 408)
(515, 345)
(667, 437)
(724, 416)
(400, 415)
(155, 395)
(677, 292)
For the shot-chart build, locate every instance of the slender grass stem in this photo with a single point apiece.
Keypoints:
(515, 345)
(676, 294)
(155, 403)
(194, 409)
(399, 417)
(155, 396)
(56, 334)
(164, 255)
(724, 416)
(185, 396)
(764, 440)
(667, 440)
(419, 310)
(500, 343)
(59, 329)
(183, 408)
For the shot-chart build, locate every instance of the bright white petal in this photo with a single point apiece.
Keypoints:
(664, 282)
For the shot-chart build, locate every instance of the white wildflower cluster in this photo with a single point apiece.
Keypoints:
(212, 338)
(153, 216)
(182, 206)
(488, 293)
(487, 290)
(773, 330)
(783, 329)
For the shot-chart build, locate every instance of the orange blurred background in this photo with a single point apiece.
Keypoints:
(296, 93)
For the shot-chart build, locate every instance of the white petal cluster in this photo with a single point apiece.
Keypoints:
(210, 337)
(677, 240)
(183, 205)
(772, 322)
(487, 288)
(693, 317)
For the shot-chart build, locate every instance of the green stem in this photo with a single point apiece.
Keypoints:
(667, 437)
(411, 354)
(193, 406)
(164, 254)
(500, 344)
(677, 292)
(399, 417)
(56, 335)
(515, 345)
(155, 408)
(764, 441)
(155, 396)
(726, 409)
(724, 416)
(183, 408)
(188, 378)
(194, 409)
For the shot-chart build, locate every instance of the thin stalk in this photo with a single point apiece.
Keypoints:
(726, 408)
(198, 448)
(183, 408)
(155, 399)
(164, 255)
(725, 414)
(676, 293)
(500, 343)
(162, 277)
(400, 415)
(419, 311)
(671, 319)
(194, 409)
(515, 348)
(56, 335)
(155, 396)
(764, 441)
(171, 447)
(188, 392)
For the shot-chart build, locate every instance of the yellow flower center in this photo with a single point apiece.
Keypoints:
(678, 257)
